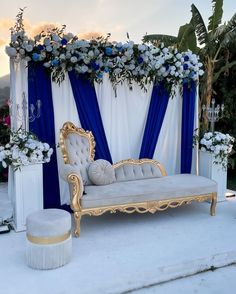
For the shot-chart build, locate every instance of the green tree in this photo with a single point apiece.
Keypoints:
(185, 40)
(215, 41)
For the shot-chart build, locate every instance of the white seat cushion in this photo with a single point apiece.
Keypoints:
(169, 187)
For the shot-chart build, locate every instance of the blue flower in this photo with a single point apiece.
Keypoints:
(100, 75)
(140, 59)
(106, 69)
(40, 47)
(192, 74)
(94, 65)
(186, 58)
(108, 50)
(35, 56)
(64, 41)
(167, 66)
(119, 48)
(185, 66)
(55, 62)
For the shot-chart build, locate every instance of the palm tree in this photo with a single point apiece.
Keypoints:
(214, 42)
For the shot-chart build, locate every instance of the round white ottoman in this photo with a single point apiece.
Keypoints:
(49, 243)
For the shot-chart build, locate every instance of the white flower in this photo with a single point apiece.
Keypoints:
(29, 48)
(48, 48)
(11, 51)
(55, 38)
(13, 38)
(73, 59)
(47, 41)
(47, 64)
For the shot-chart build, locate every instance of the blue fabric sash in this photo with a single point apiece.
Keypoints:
(188, 110)
(39, 87)
(89, 113)
(156, 114)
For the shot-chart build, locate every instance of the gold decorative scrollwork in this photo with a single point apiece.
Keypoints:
(141, 161)
(149, 206)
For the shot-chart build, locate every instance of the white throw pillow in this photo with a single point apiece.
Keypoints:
(101, 172)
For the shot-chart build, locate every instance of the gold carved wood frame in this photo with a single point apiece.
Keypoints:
(140, 207)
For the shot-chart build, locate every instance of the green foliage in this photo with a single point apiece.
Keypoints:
(185, 40)
(156, 39)
(199, 25)
(216, 17)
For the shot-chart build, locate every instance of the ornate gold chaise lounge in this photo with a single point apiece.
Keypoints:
(140, 185)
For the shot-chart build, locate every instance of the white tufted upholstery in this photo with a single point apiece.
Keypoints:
(131, 172)
(78, 151)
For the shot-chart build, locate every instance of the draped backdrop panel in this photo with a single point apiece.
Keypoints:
(122, 121)
(156, 113)
(189, 95)
(39, 87)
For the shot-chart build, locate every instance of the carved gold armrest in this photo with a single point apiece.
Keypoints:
(76, 190)
(141, 161)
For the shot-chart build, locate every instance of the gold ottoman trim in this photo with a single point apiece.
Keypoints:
(48, 240)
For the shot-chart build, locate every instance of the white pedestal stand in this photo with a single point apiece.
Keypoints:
(26, 193)
(213, 171)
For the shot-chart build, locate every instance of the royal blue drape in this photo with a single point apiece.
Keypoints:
(89, 113)
(39, 87)
(188, 110)
(156, 114)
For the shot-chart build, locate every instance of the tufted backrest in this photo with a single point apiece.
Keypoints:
(136, 171)
(78, 147)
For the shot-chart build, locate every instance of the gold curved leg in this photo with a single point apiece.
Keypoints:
(213, 204)
(77, 216)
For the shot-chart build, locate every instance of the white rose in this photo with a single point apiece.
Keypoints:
(73, 59)
(11, 51)
(47, 41)
(55, 38)
(49, 48)
(13, 38)
(28, 48)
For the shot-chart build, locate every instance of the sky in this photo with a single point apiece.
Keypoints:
(137, 17)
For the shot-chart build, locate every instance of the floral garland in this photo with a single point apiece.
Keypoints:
(61, 52)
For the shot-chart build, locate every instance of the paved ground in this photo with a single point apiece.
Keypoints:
(133, 253)
(220, 281)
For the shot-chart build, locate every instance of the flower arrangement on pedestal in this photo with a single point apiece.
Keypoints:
(24, 148)
(220, 145)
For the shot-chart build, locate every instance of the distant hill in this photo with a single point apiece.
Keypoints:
(5, 81)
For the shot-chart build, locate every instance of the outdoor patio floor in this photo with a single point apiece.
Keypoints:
(117, 253)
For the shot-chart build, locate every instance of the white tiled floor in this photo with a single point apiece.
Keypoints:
(120, 253)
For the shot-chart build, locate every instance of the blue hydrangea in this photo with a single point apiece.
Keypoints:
(35, 56)
(140, 60)
(94, 65)
(185, 66)
(108, 51)
(100, 75)
(55, 62)
(106, 69)
(186, 58)
(40, 47)
(64, 41)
